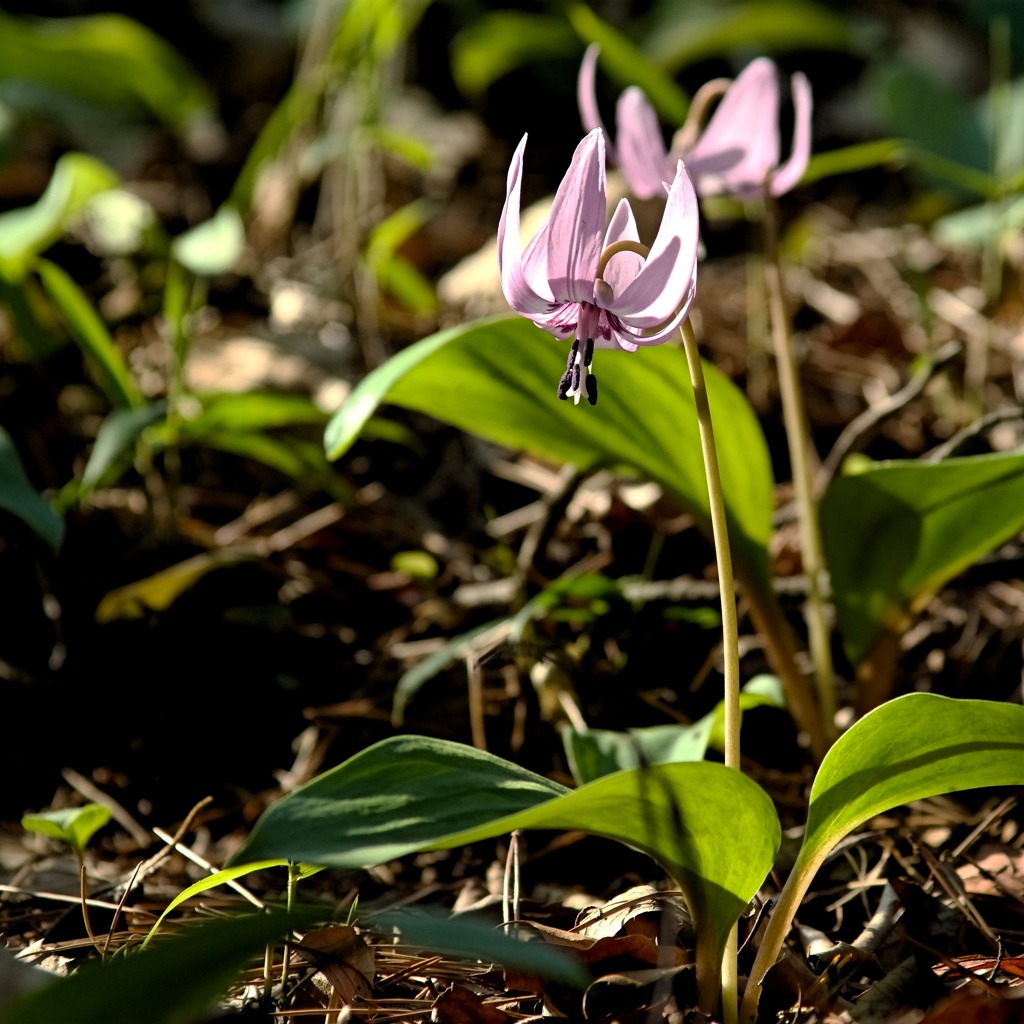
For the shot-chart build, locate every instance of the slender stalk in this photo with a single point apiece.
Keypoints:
(730, 635)
(798, 437)
(293, 880)
(84, 889)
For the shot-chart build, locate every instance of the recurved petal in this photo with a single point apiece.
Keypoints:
(661, 285)
(586, 97)
(642, 154)
(623, 267)
(521, 294)
(626, 334)
(576, 225)
(790, 173)
(741, 142)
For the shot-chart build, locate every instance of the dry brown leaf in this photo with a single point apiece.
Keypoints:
(996, 870)
(637, 947)
(458, 1005)
(342, 958)
(972, 1008)
(602, 922)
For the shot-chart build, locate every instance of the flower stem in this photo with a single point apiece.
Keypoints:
(798, 437)
(730, 648)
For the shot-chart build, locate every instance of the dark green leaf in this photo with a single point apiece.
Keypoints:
(251, 410)
(720, 30)
(28, 231)
(20, 498)
(175, 981)
(896, 532)
(91, 334)
(72, 825)
(502, 41)
(628, 66)
(475, 940)
(411, 793)
(117, 437)
(497, 378)
(106, 59)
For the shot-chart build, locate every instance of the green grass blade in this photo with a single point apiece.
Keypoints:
(20, 498)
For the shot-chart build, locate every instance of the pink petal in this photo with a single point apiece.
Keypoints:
(642, 154)
(741, 143)
(625, 335)
(576, 225)
(661, 285)
(586, 97)
(623, 267)
(521, 294)
(790, 173)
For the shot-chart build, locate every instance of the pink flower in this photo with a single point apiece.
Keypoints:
(734, 155)
(576, 277)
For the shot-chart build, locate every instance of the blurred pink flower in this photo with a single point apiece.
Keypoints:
(735, 153)
(569, 283)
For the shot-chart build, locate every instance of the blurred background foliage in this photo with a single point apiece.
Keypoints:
(216, 217)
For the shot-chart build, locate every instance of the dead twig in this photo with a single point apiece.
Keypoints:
(979, 426)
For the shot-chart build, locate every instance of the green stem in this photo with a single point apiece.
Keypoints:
(727, 977)
(778, 927)
(293, 881)
(798, 438)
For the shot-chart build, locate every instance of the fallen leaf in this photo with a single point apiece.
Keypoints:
(342, 958)
(971, 1008)
(641, 906)
(457, 1005)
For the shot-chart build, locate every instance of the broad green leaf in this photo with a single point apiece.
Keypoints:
(502, 41)
(91, 334)
(896, 532)
(976, 226)
(72, 825)
(175, 981)
(913, 747)
(210, 882)
(923, 109)
(214, 246)
(470, 939)
(28, 231)
(20, 498)
(159, 591)
(599, 752)
(858, 157)
(628, 66)
(412, 793)
(497, 378)
(106, 59)
(116, 439)
(719, 30)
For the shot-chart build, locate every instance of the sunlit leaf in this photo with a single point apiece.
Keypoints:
(626, 64)
(412, 793)
(214, 246)
(719, 30)
(914, 747)
(107, 59)
(497, 378)
(977, 226)
(20, 498)
(470, 939)
(598, 752)
(859, 157)
(897, 531)
(159, 591)
(211, 882)
(188, 974)
(72, 825)
(91, 334)
(28, 231)
(116, 439)
(502, 41)
(252, 410)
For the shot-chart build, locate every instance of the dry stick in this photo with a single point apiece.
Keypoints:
(149, 866)
(120, 907)
(206, 865)
(118, 813)
(730, 631)
(83, 887)
(475, 681)
(798, 437)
